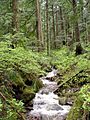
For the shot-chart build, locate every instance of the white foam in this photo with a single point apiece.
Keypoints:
(47, 82)
(48, 104)
(52, 74)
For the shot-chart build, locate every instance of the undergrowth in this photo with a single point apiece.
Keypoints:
(21, 68)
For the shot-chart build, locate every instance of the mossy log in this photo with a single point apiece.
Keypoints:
(64, 82)
(76, 111)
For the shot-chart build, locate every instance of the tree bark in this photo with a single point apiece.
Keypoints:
(77, 32)
(47, 27)
(56, 22)
(54, 34)
(44, 25)
(61, 19)
(39, 27)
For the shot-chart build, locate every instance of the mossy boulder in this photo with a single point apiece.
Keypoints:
(29, 91)
(37, 85)
(24, 85)
(28, 94)
(62, 100)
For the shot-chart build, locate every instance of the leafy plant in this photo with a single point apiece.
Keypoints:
(12, 109)
(85, 96)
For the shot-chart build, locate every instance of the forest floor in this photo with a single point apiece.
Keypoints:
(21, 69)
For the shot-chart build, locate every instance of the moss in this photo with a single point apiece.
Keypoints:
(28, 94)
(37, 85)
(28, 90)
(76, 111)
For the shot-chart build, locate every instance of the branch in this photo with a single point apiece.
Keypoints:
(2, 96)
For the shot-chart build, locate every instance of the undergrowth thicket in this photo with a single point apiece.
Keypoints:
(21, 68)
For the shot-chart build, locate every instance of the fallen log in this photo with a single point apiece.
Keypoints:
(59, 86)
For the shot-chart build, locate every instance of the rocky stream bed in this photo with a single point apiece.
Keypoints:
(46, 104)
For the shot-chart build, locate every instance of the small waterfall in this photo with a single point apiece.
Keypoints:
(46, 103)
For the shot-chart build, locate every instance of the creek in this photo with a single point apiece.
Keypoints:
(46, 104)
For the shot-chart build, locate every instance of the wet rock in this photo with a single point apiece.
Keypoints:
(43, 116)
(62, 100)
(51, 75)
(44, 91)
(70, 100)
(53, 117)
(34, 116)
(54, 107)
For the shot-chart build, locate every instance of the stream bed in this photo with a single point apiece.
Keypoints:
(46, 104)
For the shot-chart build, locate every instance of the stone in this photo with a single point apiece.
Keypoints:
(54, 107)
(62, 100)
(34, 116)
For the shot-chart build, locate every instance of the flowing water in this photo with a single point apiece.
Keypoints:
(46, 103)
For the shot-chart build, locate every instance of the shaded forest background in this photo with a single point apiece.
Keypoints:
(46, 24)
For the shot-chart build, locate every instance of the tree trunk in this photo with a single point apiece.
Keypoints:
(15, 22)
(61, 19)
(76, 27)
(50, 31)
(88, 24)
(41, 35)
(54, 43)
(39, 27)
(81, 9)
(56, 22)
(44, 25)
(47, 26)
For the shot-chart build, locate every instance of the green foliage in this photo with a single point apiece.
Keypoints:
(5, 16)
(16, 67)
(18, 58)
(12, 108)
(1, 105)
(21, 68)
(62, 58)
(85, 96)
(81, 104)
(15, 77)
